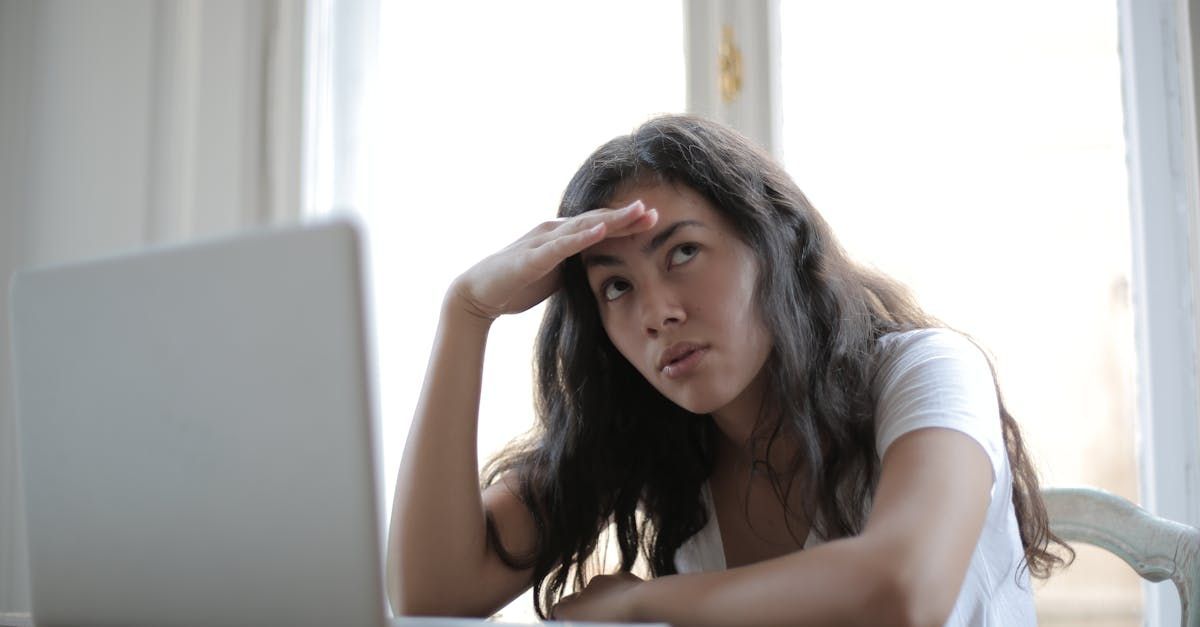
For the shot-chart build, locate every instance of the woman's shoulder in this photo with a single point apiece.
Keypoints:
(929, 350)
(936, 377)
(928, 358)
(926, 339)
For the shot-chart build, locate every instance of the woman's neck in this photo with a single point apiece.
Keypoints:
(737, 421)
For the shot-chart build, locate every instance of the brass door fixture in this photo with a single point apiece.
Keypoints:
(729, 63)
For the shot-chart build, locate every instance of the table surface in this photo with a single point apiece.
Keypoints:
(24, 620)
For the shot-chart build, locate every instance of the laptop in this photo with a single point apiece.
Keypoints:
(198, 438)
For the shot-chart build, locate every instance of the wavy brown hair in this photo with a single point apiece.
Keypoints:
(609, 449)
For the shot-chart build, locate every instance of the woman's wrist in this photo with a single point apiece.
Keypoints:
(457, 310)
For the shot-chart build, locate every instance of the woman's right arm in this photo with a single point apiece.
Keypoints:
(439, 561)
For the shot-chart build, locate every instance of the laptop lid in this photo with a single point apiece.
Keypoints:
(197, 438)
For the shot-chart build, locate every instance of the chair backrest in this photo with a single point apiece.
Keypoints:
(1157, 548)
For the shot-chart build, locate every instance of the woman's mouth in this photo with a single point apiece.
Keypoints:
(684, 362)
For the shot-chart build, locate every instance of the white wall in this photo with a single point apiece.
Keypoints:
(128, 122)
(75, 100)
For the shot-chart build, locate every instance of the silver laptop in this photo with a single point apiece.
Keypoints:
(197, 436)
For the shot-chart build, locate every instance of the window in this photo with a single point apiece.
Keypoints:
(976, 152)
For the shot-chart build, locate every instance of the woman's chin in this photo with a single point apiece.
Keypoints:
(697, 404)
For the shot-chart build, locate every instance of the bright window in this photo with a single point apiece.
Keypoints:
(975, 152)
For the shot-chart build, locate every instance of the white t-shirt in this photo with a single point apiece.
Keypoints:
(933, 378)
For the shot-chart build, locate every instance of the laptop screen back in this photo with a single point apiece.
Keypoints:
(197, 436)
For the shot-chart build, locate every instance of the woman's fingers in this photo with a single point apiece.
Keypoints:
(554, 251)
(548, 255)
(615, 220)
(647, 220)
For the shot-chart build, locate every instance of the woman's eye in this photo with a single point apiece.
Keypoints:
(683, 254)
(613, 289)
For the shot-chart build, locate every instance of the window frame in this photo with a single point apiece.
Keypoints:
(755, 110)
(1158, 80)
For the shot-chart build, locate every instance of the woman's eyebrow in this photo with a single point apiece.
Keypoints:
(654, 244)
(657, 241)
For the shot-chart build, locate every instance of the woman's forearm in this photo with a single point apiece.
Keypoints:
(437, 488)
(838, 583)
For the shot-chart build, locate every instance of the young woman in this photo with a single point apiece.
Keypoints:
(783, 436)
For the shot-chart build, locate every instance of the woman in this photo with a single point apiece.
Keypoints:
(783, 436)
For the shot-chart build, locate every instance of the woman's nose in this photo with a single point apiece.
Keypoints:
(660, 311)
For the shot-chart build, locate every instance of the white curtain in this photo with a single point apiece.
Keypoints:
(128, 123)
(340, 50)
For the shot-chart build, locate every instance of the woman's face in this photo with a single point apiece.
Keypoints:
(678, 300)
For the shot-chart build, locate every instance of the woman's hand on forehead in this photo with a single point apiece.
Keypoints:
(619, 221)
(526, 272)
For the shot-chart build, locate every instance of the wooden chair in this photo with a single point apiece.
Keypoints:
(1157, 548)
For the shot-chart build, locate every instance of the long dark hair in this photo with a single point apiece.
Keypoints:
(609, 449)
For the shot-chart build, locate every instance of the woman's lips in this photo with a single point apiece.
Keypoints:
(684, 365)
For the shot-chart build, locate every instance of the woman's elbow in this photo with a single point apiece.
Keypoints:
(412, 595)
(911, 598)
(425, 601)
